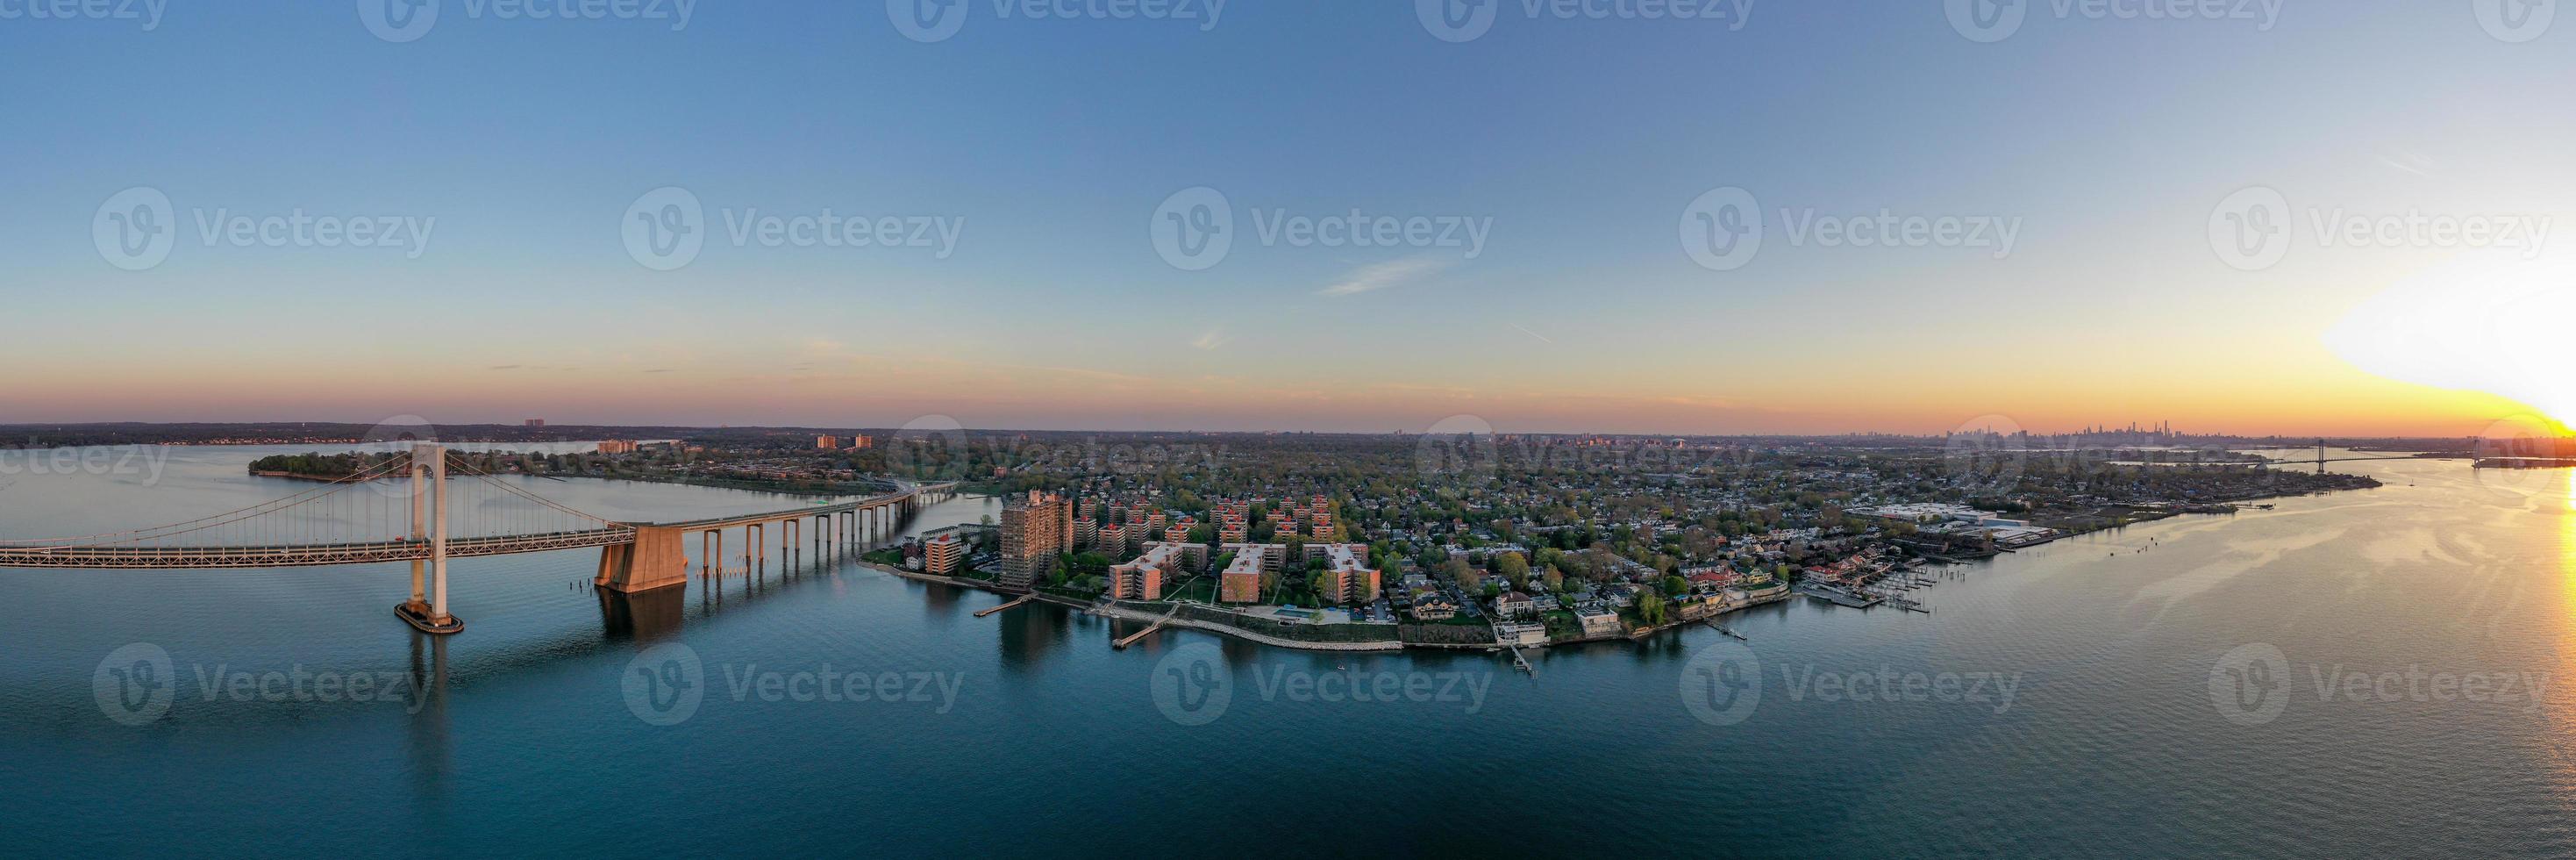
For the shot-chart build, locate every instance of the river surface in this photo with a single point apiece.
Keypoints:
(2385, 672)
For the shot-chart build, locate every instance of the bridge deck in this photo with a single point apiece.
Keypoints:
(23, 554)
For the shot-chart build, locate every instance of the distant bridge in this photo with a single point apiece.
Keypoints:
(331, 525)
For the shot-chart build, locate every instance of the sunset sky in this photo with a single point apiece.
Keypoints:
(1051, 146)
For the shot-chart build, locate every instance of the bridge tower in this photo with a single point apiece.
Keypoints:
(429, 612)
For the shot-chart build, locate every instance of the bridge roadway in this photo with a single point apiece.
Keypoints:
(312, 555)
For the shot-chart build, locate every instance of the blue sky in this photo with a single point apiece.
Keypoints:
(1580, 141)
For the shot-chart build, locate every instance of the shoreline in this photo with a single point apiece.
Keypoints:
(1120, 613)
(1124, 614)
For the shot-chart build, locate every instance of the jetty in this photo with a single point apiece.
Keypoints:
(1130, 639)
(1014, 602)
(1838, 596)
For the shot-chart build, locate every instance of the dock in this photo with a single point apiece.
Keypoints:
(1014, 602)
(1130, 639)
(1730, 631)
(1838, 596)
(1907, 605)
(1520, 662)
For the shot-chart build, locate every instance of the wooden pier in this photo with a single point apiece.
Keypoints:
(1130, 639)
(1014, 602)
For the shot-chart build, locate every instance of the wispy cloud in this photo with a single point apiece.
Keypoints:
(504, 367)
(1541, 338)
(1212, 339)
(1380, 276)
(2410, 162)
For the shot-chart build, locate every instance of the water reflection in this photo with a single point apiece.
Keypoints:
(430, 761)
(645, 615)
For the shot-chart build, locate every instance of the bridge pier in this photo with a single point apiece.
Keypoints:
(431, 615)
(419, 531)
(657, 559)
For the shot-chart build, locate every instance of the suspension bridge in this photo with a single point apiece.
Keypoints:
(426, 507)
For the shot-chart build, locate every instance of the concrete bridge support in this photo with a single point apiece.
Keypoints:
(657, 559)
(427, 608)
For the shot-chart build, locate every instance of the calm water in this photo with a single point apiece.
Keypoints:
(1032, 736)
